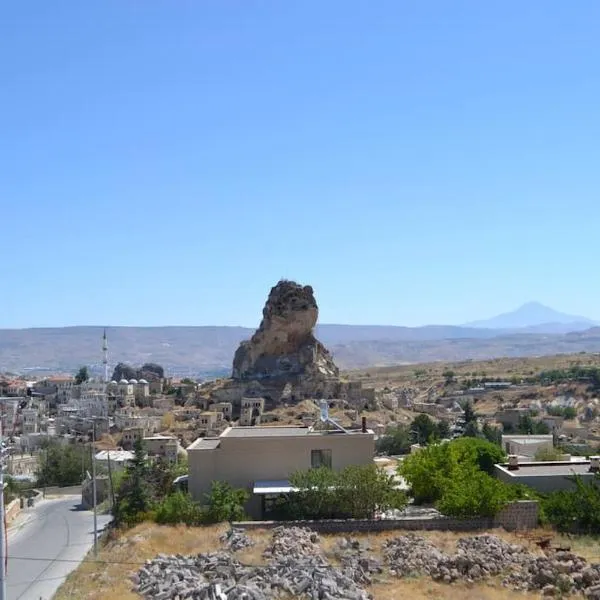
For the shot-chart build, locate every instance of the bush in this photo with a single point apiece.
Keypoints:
(225, 503)
(356, 492)
(179, 508)
(473, 493)
(548, 454)
(456, 477)
(396, 440)
(575, 510)
(568, 412)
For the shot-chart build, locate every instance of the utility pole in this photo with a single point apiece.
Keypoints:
(94, 490)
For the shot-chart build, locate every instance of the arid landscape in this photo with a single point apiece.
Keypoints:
(206, 351)
(122, 557)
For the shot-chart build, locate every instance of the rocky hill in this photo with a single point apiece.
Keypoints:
(284, 345)
(206, 350)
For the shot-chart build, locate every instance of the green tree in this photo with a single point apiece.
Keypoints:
(82, 375)
(440, 473)
(225, 503)
(469, 414)
(63, 464)
(396, 440)
(423, 429)
(357, 492)
(443, 430)
(471, 430)
(134, 498)
(527, 426)
(365, 489)
(472, 492)
(316, 495)
(449, 376)
(188, 381)
(576, 509)
(492, 434)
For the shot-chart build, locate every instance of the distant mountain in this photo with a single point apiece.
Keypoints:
(536, 318)
(208, 351)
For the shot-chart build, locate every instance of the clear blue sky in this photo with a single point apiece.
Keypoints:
(166, 162)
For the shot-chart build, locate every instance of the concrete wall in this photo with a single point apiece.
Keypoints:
(240, 461)
(516, 516)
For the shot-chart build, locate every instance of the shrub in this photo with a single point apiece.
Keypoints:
(225, 503)
(456, 477)
(577, 509)
(473, 492)
(548, 454)
(356, 492)
(179, 508)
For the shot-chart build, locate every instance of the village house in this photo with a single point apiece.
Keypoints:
(261, 459)
(130, 435)
(13, 387)
(164, 446)
(225, 408)
(29, 421)
(210, 420)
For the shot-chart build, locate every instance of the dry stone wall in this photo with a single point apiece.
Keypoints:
(518, 515)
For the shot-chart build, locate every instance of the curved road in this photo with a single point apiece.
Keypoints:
(46, 544)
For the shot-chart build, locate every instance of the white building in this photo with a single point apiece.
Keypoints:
(93, 404)
(526, 446)
(118, 459)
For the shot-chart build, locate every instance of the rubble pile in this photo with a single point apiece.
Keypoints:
(236, 540)
(479, 557)
(411, 555)
(296, 568)
(294, 542)
(357, 562)
(557, 573)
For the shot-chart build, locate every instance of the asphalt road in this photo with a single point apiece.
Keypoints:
(46, 544)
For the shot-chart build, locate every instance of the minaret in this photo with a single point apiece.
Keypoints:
(105, 356)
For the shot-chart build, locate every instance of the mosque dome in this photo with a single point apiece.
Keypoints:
(133, 381)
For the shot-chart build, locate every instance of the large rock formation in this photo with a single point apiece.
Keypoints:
(284, 346)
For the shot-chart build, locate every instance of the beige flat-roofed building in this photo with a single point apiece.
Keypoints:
(262, 459)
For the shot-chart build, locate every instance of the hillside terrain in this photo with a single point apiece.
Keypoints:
(209, 350)
(112, 576)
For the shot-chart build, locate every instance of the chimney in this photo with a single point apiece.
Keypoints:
(513, 462)
(364, 425)
(594, 464)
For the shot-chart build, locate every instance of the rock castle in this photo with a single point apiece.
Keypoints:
(283, 361)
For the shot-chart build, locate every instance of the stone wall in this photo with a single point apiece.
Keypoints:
(518, 515)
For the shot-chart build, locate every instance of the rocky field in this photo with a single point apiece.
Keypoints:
(292, 562)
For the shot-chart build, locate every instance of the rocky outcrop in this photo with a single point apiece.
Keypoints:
(284, 346)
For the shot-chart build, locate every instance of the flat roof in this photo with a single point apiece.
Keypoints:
(545, 469)
(204, 444)
(116, 455)
(285, 431)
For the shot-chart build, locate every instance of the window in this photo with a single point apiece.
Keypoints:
(320, 458)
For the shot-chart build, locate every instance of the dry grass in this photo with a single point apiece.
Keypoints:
(120, 557)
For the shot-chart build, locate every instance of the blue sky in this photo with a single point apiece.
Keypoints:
(166, 163)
